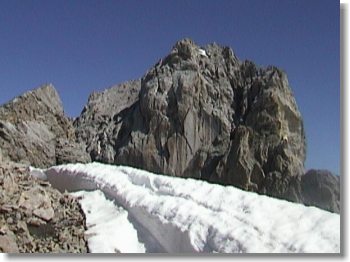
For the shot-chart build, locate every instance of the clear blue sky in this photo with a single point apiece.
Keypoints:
(81, 46)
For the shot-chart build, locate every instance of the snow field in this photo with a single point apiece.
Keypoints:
(109, 230)
(178, 215)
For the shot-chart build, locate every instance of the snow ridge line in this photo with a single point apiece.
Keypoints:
(139, 177)
(151, 227)
(186, 215)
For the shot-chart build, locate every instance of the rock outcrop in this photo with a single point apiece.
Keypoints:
(34, 217)
(101, 119)
(202, 113)
(322, 189)
(34, 130)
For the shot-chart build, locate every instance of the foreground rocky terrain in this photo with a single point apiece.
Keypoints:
(34, 217)
(199, 112)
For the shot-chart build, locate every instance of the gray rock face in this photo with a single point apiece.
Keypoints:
(101, 119)
(202, 113)
(32, 128)
(322, 189)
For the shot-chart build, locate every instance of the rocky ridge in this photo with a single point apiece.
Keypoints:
(35, 131)
(199, 112)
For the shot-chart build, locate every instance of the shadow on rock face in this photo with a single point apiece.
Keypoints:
(322, 189)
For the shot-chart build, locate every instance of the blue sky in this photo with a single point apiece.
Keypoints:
(82, 46)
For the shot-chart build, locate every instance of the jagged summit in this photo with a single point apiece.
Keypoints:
(186, 53)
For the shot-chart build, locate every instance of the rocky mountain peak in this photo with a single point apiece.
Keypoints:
(185, 54)
(187, 49)
(199, 112)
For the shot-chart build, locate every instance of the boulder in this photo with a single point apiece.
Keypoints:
(36, 201)
(8, 243)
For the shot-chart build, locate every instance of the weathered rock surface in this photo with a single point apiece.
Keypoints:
(101, 119)
(33, 128)
(202, 113)
(34, 217)
(8, 242)
(322, 189)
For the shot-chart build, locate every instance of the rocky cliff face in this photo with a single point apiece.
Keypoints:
(201, 112)
(322, 189)
(101, 119)
(34, 130)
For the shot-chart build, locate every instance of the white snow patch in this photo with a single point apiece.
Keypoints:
(184, 215)
(109, 230)
(202, 52)
(37, 173)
